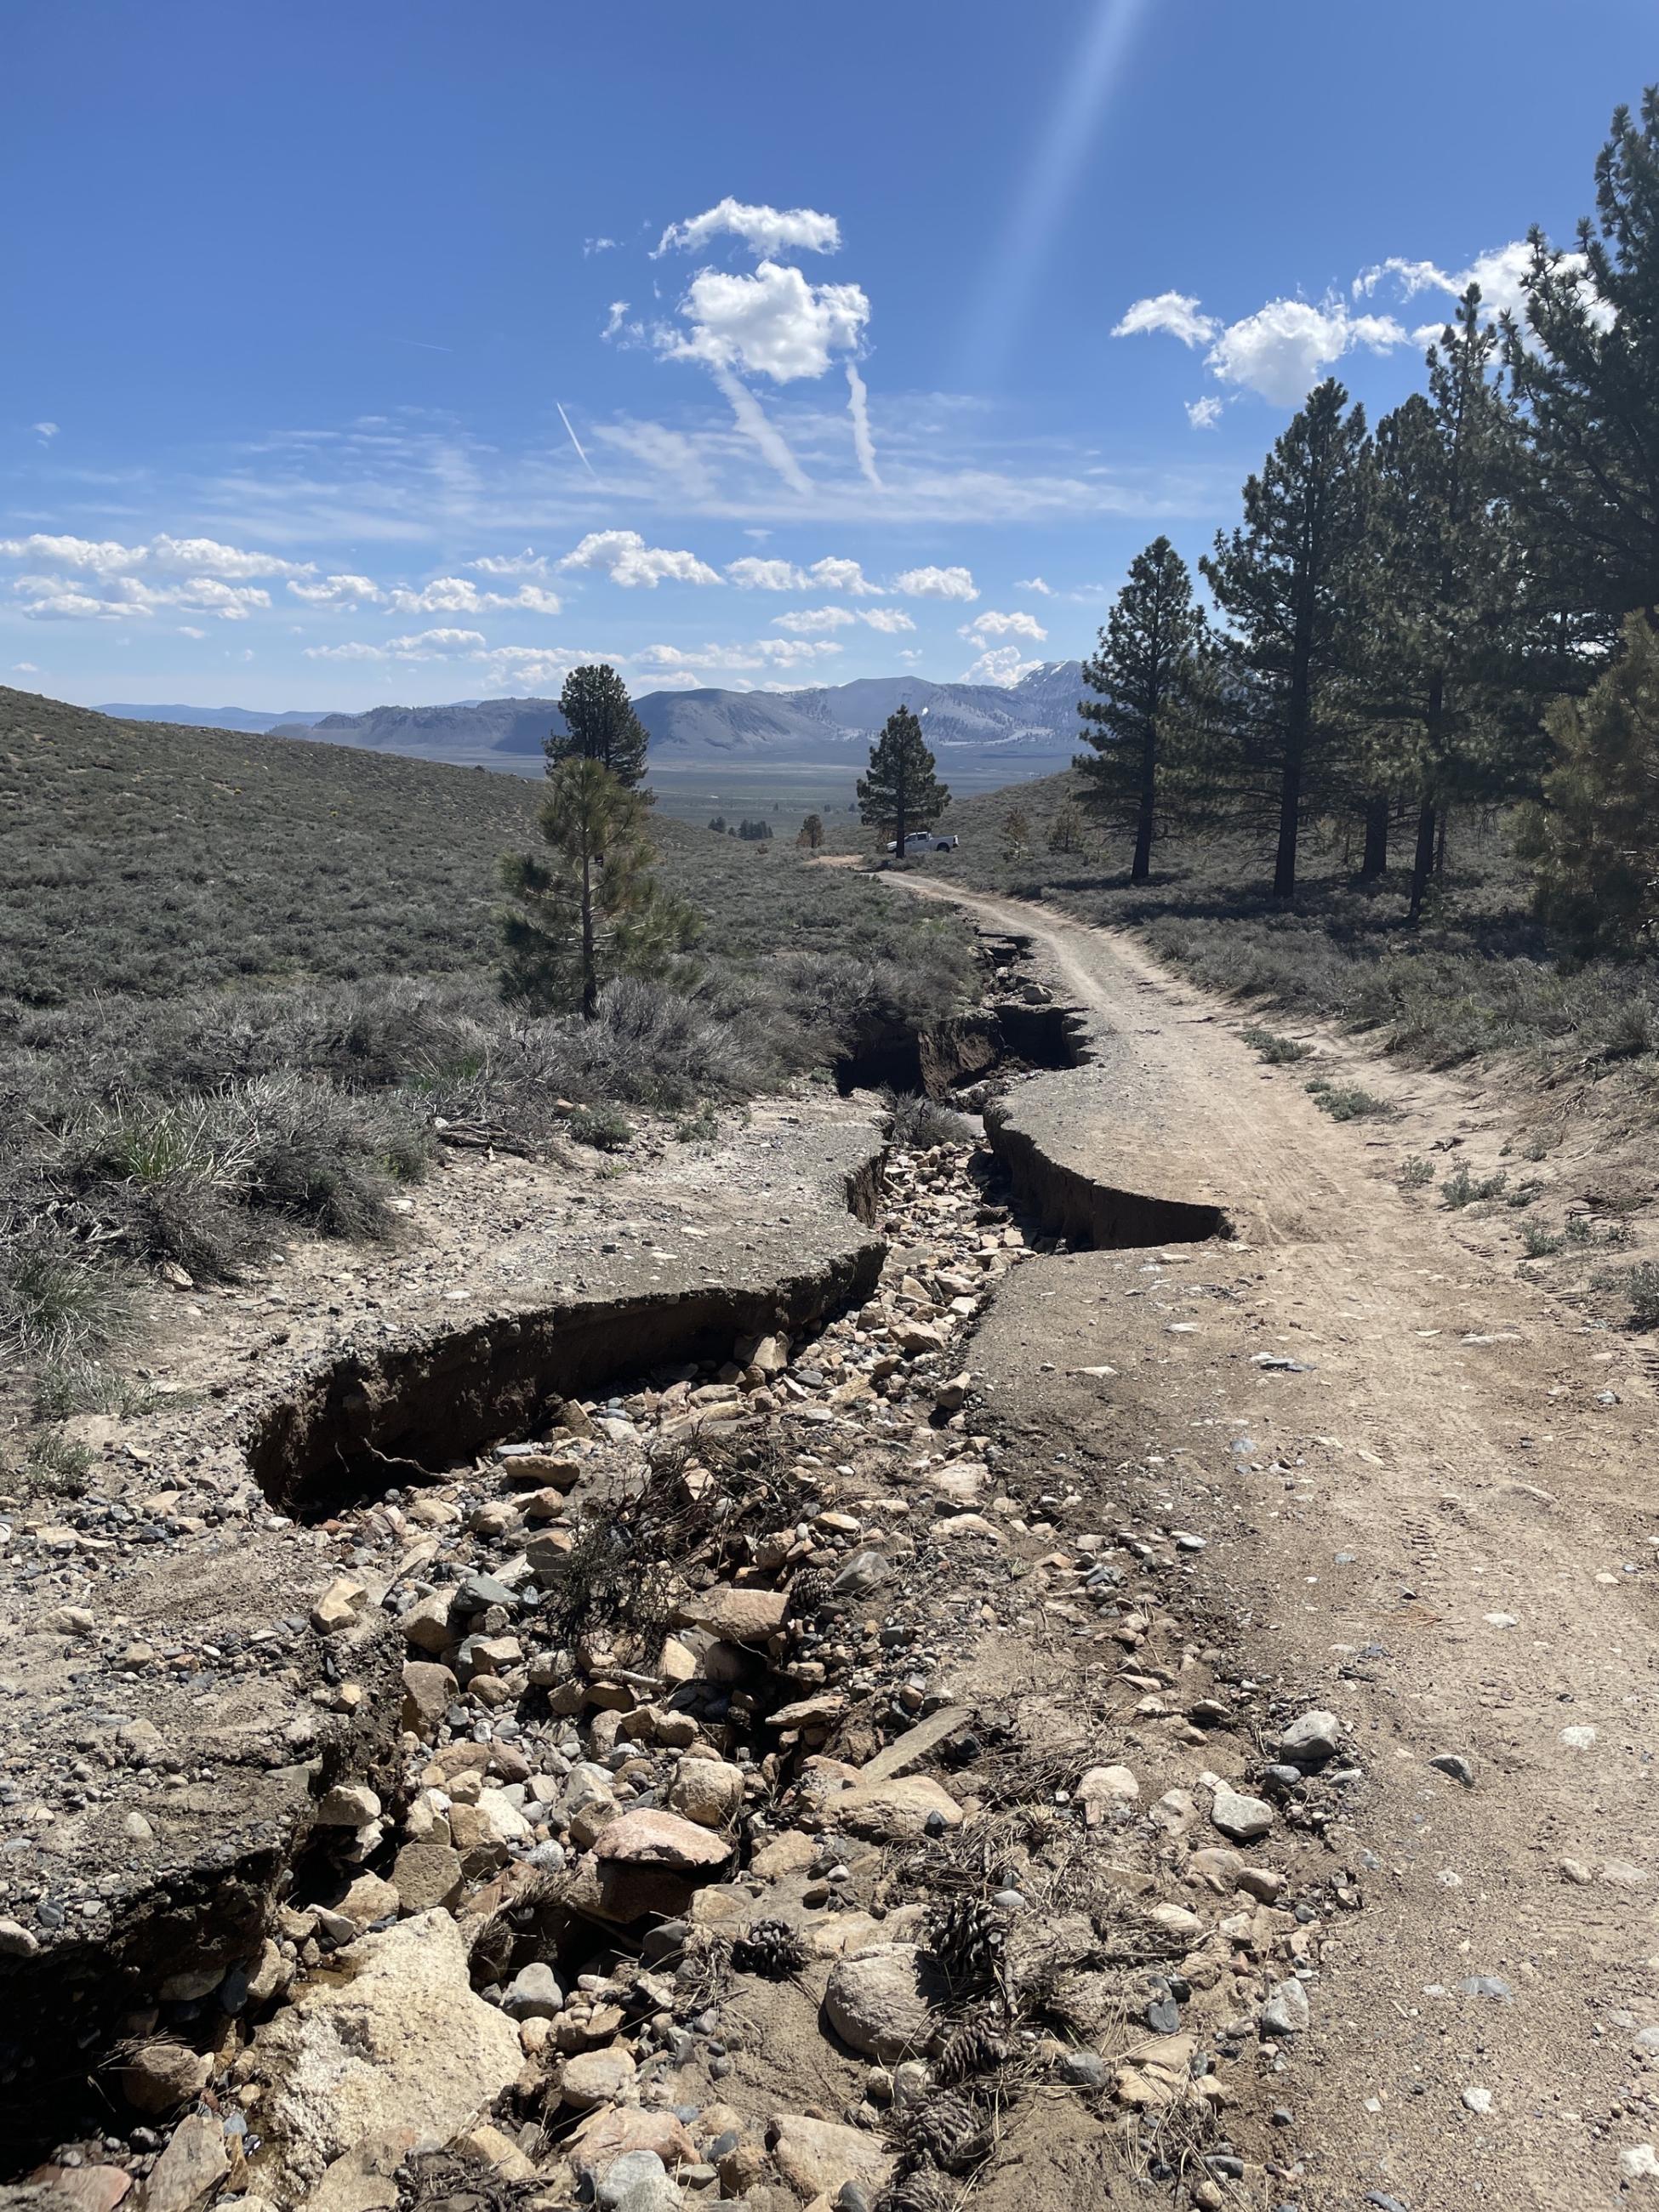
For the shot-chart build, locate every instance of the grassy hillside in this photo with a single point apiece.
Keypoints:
(146, 858)
(244, 979)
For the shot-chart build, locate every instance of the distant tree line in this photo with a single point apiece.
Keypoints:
(1457, 608)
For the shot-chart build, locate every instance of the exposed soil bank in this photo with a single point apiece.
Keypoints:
(1084, 1211)
(420, 1408)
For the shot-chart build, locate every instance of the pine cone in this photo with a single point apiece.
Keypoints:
(918, 2192)
(967, 1939)
(948, 2130)
(808, 1594)
(921, 2192)
(974, 2048)
(771, 1949)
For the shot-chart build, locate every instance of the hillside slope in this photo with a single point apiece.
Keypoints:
(148, 858)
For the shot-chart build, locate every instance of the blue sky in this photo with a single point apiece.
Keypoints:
(414, 351)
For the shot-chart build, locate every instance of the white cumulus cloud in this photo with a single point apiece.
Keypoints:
(344, 591)
(806, 620)
(104, 557)
(1033, 584)
(527, 564)
(96, 597)
(429, 644)
(206, 557)
(832, 575)
(357, 650)
(936, 583)
(624, 556)
(1204, 414)
(1000, 665)
(1500, 273)
(521, 666)
(751, 573)
(763, 230)
(889, 620)
(992, 624)
(1175, 313)
(766, 653)
(774, 323)
(1287, 346)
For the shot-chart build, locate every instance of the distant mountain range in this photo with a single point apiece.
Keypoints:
(218, 718)
(1023, 727)
(1034, 719)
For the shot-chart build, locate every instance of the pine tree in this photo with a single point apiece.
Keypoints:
(812, 833)
(600, 725)
(1444, 594)
(592, 911)
(1595, 840)
(1066, 830)
(1285, 582)
(901, 793)
(1016, 833)
(1585, 370)
(1147, 654)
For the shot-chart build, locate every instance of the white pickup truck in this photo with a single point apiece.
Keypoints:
(924, 841)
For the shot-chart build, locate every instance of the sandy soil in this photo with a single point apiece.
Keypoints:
(1427, 1488)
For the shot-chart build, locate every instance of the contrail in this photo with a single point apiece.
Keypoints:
(754, 422)
(577, 443)
(857, 406)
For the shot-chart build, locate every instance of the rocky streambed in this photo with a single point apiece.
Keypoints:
(769, 1784)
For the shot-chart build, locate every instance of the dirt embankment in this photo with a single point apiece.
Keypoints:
(901, 1781)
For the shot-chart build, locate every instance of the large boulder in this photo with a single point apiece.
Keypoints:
(651, 1838)
(707, 1791)
(816, 2157)
(735, 1616)
(403, 2043)
(876, 2001)
(894, 1812)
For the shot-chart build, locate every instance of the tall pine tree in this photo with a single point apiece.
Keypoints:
(1147, 650)
(600, 725)
(1444, 591)
(901, 793)
(1595, 839)
(592, 911)
(1285, 581)
(1585, 370)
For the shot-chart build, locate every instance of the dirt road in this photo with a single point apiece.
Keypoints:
(1441, 1520)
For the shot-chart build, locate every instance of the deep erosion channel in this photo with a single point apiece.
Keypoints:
(671, 1584)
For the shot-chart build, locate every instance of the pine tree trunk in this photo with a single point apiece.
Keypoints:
(1297, 714)
(1422, 860)
(590, 964)
(1290, 818)
(1375, 862)
(899, 796)
(1440, 844)
(1141, 867)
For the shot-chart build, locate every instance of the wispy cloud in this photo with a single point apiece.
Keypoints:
(857, 403)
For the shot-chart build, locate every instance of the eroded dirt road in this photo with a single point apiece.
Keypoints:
(1430, 1495)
